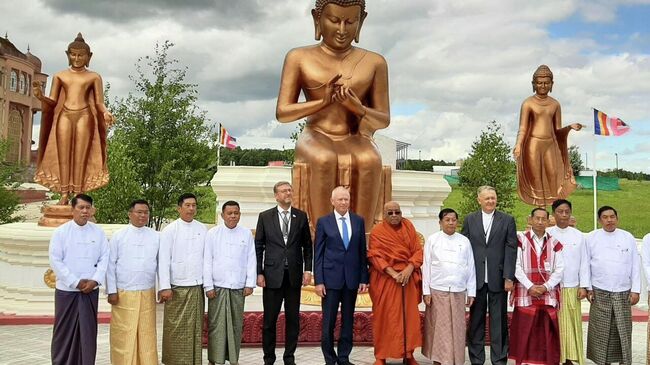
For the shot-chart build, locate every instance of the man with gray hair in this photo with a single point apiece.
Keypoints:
(284, 261)
(493, 236)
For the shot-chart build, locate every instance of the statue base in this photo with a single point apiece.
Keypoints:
(420, 195)
(26, 280)
(55, 215)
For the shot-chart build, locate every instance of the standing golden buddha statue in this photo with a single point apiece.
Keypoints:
(346, 92)
(543, 167)
(72, 143)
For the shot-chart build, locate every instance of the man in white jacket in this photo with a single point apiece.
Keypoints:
(79, 257)
(131, 289)
(180, 262)
(448, 285)
(229, 275)
(615, 286)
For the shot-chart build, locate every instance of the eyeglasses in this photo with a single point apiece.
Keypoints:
(394, 212)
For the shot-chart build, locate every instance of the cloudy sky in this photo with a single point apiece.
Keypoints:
(453, 65)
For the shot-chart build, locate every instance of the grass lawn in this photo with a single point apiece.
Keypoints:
(632, 203)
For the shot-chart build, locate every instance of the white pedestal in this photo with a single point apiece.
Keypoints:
(24, 246)
(23, 262)
(420, 194)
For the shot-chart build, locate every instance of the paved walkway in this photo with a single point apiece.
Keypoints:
(30, 344)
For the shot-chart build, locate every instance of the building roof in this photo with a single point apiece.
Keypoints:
(34, 60)
(399, 145)
(8, 48)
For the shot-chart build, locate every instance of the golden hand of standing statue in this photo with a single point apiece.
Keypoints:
(108, 119)
(576, 126)
(36, 89)
(516, 152)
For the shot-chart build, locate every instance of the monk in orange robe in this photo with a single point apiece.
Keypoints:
(395, 256)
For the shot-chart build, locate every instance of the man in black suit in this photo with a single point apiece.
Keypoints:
(493, 236)
(283, 245)
(340, 272)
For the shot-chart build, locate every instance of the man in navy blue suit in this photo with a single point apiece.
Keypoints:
(340, 272)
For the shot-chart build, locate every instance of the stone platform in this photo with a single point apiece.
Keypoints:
(420, 194)
(24, 263)
(24, 266)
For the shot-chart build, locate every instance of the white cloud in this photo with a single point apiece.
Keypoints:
(466, 62)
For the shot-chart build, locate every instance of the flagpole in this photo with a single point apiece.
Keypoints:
(219, 147)
(595, 177)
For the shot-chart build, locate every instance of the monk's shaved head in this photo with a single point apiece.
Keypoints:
(391, 205)
(392, 213)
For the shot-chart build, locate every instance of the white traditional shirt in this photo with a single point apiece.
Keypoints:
(448, 264)
(180, 259)
(645, 255)
(556, 271)
(78, 252)
(614, 261)
(133, 259)
(229, 259)
(574, 255)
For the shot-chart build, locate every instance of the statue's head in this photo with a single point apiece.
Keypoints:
(338, 22)
(543, 77)
(79, 52)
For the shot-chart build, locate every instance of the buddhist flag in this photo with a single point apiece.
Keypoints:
(226, 139)
(608, 126)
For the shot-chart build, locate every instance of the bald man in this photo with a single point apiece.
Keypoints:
(395, 256)
(340, 272)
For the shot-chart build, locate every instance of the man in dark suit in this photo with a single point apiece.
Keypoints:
(493, 236)
(283, 245)
(340, 272)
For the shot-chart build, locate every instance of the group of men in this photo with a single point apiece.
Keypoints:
(547, 271)
(191, 263)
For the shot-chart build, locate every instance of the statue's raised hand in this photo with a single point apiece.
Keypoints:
(331, 88)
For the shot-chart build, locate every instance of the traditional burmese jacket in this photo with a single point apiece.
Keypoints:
(544, 268)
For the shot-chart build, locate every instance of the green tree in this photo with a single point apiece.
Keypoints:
(425, 165)
(489, 163)
(576, 160)
(161, 136)
(9, 201)
(252, 157)
(296, 132)
(112, 201)
(290, 154)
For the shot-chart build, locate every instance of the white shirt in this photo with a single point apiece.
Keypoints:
(133, 259)
(180, 259)
(78, 252)
(488, 219)
(614, 261)
(556, 272)
(229, 259)
(280, 215)
(339, 223)
(645, 256)
(574, 255)
(448, 264)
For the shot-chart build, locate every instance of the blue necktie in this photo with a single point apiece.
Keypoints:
(346, 237)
